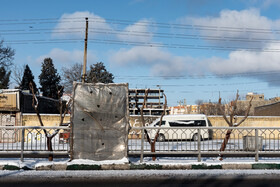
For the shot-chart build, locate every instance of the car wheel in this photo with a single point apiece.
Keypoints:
(195, 137)
(161, 138)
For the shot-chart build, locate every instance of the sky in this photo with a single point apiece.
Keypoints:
(193, 50)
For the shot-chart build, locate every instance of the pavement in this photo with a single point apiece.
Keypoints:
(194, 178)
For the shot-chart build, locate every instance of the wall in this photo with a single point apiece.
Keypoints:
(251, 121)
(48, 119)
(268, 110)
(135, 121)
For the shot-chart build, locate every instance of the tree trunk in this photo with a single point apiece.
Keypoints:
(153, 149)
(225, 142)
(49, 144)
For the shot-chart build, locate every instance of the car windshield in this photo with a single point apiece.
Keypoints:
(162, 123)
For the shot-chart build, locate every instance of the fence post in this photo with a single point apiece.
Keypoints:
(142, 145)
(256, 146)
(199, 145)
(22, 144)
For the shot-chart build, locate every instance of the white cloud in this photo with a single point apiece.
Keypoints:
(163, 63)
(160, 62)
(248, 25)
(246, 61)
(268, 3)
(64, 57)
(139, 55)
(74, 24)
(139, 31)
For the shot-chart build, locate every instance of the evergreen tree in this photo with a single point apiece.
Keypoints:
(6, 57)
(4, 78)
(26, 79)
(50, 80)
(98, 73)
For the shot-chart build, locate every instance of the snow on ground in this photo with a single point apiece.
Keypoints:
(92, 162)
(37, 162)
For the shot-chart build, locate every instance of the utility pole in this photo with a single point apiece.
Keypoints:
(85, 54)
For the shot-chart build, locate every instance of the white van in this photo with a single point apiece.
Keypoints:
(183, 120)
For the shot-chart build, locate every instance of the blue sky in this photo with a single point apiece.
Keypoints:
(194, 50)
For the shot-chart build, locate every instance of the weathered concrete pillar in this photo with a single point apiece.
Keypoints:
(100, 119)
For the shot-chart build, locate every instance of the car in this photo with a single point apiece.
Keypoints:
(181, 130)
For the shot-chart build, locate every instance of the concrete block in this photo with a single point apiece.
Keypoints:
(115, 167)
(176, 166)
(59, 166)
(236, 166)
(83, 167)
(204, 166)
(44, 167)
(145, 166)
(266, 166)
(10, 167)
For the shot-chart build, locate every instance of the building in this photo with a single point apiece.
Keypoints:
(16, 110)
(255, 96)
(258, 100)
(184, 109)
(272, 109)
(154, 104)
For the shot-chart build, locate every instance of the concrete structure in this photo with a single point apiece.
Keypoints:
(184, 109)
(258, 100)
(16, 110)
(50, 120)
(272, 109)
(255, 96)
(100, 121)
(153, 106)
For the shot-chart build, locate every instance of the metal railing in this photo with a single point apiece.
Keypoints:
(31, 141)
(205, 142)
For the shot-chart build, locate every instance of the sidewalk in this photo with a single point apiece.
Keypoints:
(134, 164)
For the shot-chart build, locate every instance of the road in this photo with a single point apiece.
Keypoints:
(193, 178)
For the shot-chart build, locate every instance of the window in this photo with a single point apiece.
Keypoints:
(181, 123)
(162, 123)
(188, 123)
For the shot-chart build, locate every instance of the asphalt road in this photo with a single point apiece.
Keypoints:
(194, 178)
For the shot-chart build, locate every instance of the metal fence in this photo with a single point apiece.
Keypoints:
(206, 142)
(172, 141)
(31, 141)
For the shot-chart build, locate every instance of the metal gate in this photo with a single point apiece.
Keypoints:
(8, 120)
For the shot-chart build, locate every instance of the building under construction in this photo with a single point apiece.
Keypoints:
(154, 104)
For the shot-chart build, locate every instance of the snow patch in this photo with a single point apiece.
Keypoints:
(93, 162)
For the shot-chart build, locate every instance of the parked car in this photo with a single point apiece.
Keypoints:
(184, 120)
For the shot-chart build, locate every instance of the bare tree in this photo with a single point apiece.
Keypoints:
(152, 142)
(71, 74)
(17, 74)
(63, 111)
(232, 121)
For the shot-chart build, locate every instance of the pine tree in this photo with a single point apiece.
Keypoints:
(26, 79)
(4, 78)
(50, 80)
(98, 73)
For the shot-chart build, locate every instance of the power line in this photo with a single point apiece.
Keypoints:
(152, 44)
(142, 23)
(247, 74)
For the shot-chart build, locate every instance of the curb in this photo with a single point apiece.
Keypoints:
(202, 166)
